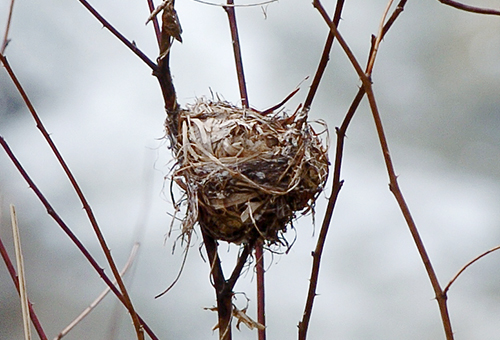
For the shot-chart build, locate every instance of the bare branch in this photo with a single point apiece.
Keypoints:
(378, 39)
(394, 187)
(471, 262)
(101, 296)
(237, 53)
(52, 213)
(325, 57)
(468, 8)
(6, 40)
(155, 22)
(261, 297)
(120, 36)
(79, 192)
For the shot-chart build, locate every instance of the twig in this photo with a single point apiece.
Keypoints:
(477, 258)
(117, 34)
(378, 39)
(261, 298)
(393, 183)
(5, 41)
(325, 57)
(156, 26)
(13, 275)
(337, 185)
(52, 213)
(237, 52)
(468, 8)
(79, 192)
(22, 278)
(101, 296)
(224, 288)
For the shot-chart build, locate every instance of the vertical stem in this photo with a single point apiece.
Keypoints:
(224, 297)
(156, 26)
(261, 306)
(237, 52)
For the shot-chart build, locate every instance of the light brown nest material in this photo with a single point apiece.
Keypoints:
(245, 174)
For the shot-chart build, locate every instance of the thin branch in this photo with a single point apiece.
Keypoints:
(120, 36)
(394, 187)
(101, 296)
(224, 288)
(13, 275)
(468, 8)
(393, 183)
(22, 277)
(378, 39)
(261, 298)
(325, 57)
(156, 26)
(6, 40)
(337, 185)
(79, 192)
(242, 260)
(471, 262)
(52, 213)
(237, 53)
(223, 296)
(347, 50)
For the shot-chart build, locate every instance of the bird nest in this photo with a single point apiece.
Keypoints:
(245, 173)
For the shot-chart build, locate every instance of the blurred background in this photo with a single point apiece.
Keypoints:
(437, 82)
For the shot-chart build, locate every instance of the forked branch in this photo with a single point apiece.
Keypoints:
(79, 192)
(393, 183)
(52, 213)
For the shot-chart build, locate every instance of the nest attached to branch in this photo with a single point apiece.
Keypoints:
(245, 173)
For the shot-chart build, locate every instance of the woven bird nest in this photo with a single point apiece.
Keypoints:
(245, 173)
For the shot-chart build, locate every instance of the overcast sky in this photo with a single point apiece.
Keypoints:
(436, 79)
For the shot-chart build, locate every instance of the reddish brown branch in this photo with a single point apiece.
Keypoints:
(237, 52)
(5, 41)
(471, 262)
(261, 297)
(393, 183)
(224, 288)
(337, 185)
(156, 26)
(79, 193)
(13, 275)
(52, 213)
(117, 34)
(325, 57)
(394, 187)
(468, 8)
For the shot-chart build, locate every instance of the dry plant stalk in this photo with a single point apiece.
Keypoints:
(23, 293)
(246, 174)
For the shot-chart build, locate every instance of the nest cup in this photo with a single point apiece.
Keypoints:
(245, 173)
